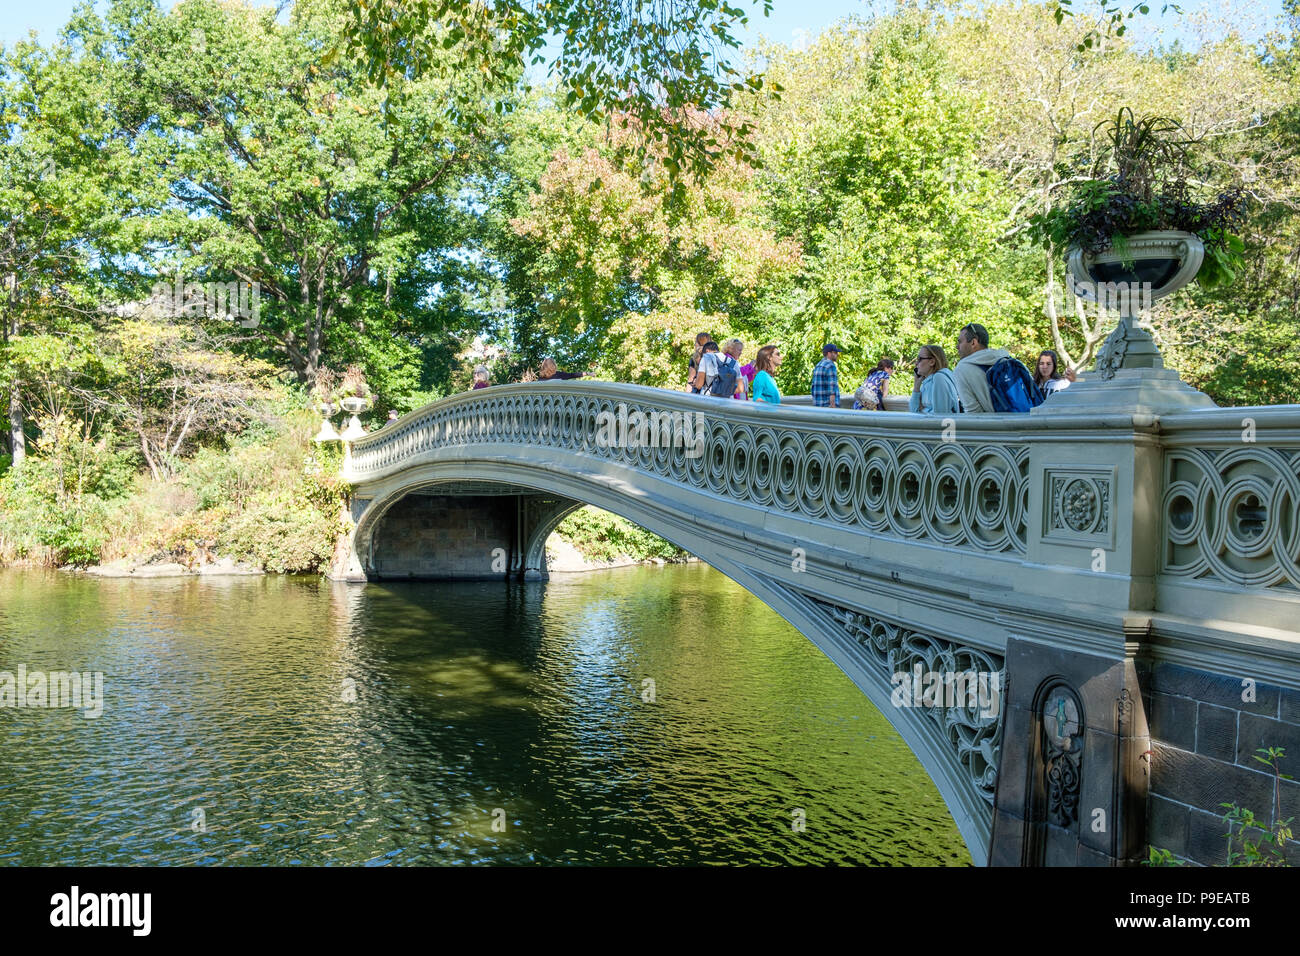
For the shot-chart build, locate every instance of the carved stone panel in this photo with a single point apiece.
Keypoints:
(1078, 506)
(1062, 724)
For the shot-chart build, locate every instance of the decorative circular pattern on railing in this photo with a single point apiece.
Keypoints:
(957, 494)
(1233, 515)
(1080, 505)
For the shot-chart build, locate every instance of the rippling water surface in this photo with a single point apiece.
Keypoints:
(315, 723)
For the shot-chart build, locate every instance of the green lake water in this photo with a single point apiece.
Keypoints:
(254, 721)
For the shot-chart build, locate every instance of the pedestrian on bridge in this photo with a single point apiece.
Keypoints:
(826, 378)
(972, 368)
(766, 364)
(548, 371)
(1048, 375)
(719, 373)
(870, 396)
(934, 390)
(701, 340)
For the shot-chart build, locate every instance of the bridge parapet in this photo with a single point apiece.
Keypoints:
(917, 483)
(1230, 515)
(1168, 513)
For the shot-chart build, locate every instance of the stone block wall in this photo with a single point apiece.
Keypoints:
(437, 537)
(1205, 730)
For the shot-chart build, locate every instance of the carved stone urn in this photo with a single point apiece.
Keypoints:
(354, 405)
(1154, 265)
(1129, 365)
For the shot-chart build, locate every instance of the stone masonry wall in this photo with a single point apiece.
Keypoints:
(444, 538)
(1204, 736)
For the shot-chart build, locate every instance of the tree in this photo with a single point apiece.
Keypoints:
(870, 163)
(254, 160)
(627, 269)
(173, 384)
(1054, 91)
(649, 63)
(54, 206)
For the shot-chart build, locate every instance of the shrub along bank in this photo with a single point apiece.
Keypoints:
(268, 497)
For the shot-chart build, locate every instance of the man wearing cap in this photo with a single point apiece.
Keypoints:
(826, 378)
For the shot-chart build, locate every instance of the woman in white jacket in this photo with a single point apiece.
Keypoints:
(934, 390)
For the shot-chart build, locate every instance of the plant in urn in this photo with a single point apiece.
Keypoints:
(1134, 233)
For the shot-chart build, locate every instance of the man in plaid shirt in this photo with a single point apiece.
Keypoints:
(826, 378)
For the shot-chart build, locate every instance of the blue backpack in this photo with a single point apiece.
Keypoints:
(724, 385)
(1011, 387)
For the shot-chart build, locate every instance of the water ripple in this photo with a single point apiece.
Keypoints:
(286, 721)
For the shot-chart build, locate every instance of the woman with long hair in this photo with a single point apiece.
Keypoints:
(870, 396)
(1047, 375)
(765, 366)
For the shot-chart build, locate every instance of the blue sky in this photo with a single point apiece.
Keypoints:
(791, 22)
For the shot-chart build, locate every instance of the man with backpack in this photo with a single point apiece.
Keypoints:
(719, 371)
(990, 380)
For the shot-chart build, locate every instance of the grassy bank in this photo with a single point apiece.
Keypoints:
(601, 536)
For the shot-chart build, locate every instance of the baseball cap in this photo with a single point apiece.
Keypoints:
(831, 347)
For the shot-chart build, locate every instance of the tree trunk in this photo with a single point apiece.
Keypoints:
(148, 458)
(17, 438)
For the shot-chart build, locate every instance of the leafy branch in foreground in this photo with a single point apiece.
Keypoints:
(652, 62)
(1114, 16)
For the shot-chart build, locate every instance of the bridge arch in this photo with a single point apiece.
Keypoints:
(956, 747)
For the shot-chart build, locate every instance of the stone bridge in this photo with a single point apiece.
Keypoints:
(1114, 578)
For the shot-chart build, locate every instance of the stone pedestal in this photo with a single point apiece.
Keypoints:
(1130, 391)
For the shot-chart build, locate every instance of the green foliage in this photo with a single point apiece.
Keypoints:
(1255, 843)
(871, 164)
(282, 530)
(1251, 842)
(1114, 17)
(1160, 857)
(644, 67)
(602, 536)
(267, 497)
(625, 269)
(276, 504)
(252, 158)
(55, 508)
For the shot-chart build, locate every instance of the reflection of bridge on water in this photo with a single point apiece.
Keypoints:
(1122, 564)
